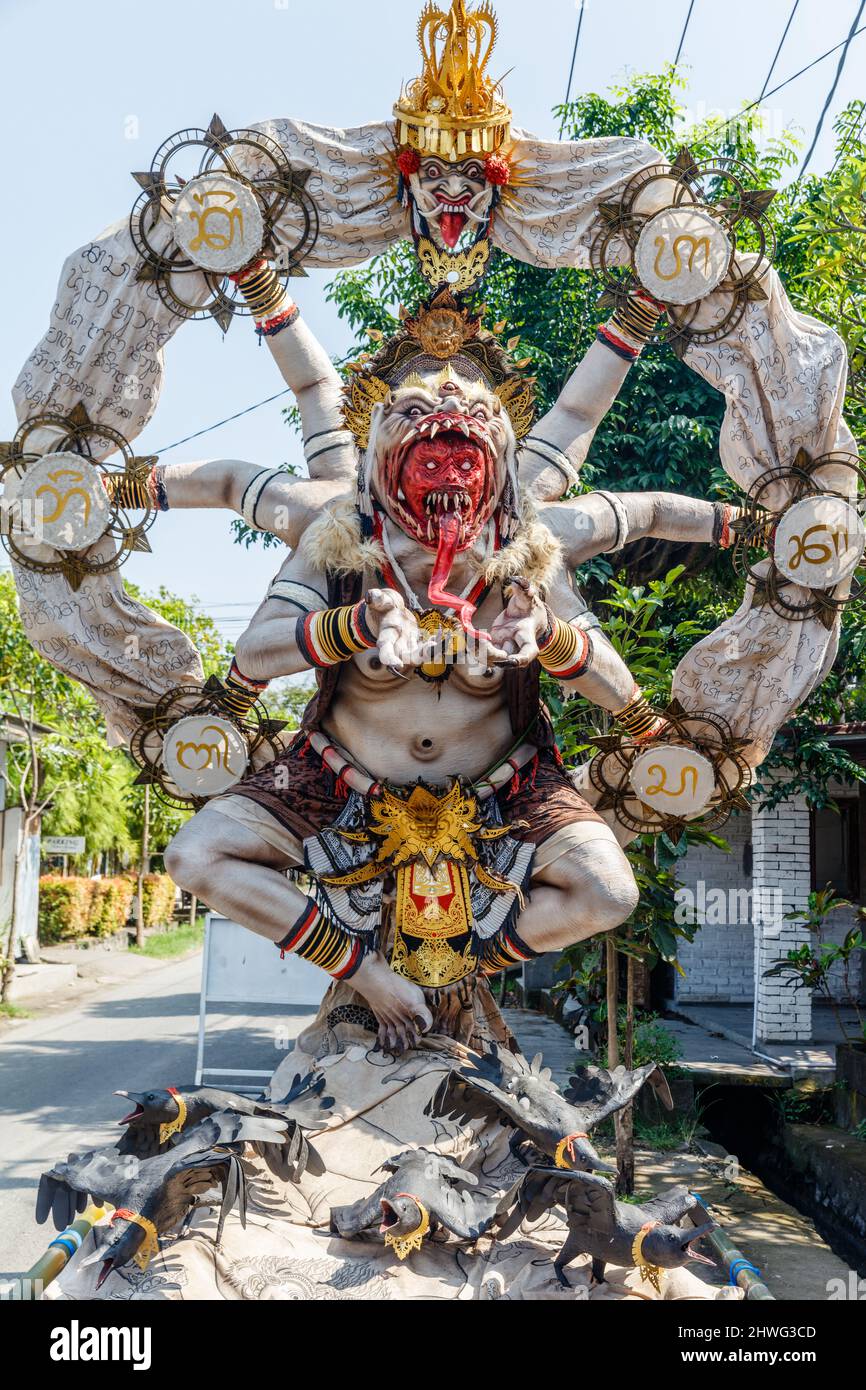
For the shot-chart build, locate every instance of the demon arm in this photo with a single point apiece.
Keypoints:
(552, 455)
(306, 369)
(294, 629)
(268, 499)
(603, 522)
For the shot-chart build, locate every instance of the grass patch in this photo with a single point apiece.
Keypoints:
(667, 1135)
(167, 944)
(13, 1011)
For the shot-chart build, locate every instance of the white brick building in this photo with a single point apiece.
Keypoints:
(742, 899)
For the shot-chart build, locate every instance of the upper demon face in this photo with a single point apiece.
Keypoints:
(441, 450)
(452, 198)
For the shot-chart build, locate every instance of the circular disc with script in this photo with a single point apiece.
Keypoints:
(204, 754)
(217, 223)
(672, 780)
(819, 542)
(681, 255)
(63, 501)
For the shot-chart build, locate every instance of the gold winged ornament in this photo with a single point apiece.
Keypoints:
(430, 842)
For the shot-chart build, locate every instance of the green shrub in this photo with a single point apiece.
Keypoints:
(64, 907)
(158, 897)
(110, 905)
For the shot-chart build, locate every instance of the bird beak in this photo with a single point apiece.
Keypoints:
(107, 1267)
(698, 1235)
(599, 1166)
(135, 1097)
(389, 1216)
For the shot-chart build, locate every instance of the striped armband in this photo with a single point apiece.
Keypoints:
(564, 651)
(323, 943)
(631, 325)
(323, 441)
(725, 520)
(638, 718)
(240, 692)
(301, 596)
(503, 950)
(265, 296)
(147, 490)
(253, 494)
(334, 635)
(621, 516)
(550, 454)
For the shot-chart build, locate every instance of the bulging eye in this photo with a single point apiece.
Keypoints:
(415, 412)
(465, 467)
(431, 465)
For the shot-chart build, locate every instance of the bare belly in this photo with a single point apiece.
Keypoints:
(400, 730)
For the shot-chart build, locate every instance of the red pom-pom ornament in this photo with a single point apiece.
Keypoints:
(408, 162)
(497, 170)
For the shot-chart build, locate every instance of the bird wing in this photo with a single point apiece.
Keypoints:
(597, 1092)
(305, 1099)
(535, 1194)
(589, 1198)
(64, 1191)
(469, 1094)
(191, 1174)
(465, 1214)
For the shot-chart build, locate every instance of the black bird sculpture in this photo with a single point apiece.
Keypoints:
(159, 1116)
(420, 1195)
(645, 1237)
(152, 1195)
(503, 1085)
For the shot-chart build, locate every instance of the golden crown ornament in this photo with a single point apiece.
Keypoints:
(454, 109)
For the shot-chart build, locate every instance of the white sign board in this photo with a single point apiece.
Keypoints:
(63, 844)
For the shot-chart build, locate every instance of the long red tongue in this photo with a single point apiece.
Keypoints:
(449, 535)
(451, 225)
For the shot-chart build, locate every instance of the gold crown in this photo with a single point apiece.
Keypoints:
(454, 109)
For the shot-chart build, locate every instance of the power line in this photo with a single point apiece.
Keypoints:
(226, 421)
(573, 60)
(830, 94)
(683, 34)
(778, 51)
(787, 82)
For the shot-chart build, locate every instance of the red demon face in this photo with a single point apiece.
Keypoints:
(439, 446)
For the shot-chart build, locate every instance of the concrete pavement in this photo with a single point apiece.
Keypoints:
(58, 1072)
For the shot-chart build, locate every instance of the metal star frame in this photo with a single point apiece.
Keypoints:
(724, 188)
(755, 528)
(705, 733)
(145, 746)
(274, 185)
(78, 434)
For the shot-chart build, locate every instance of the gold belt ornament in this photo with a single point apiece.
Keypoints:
(429, 841)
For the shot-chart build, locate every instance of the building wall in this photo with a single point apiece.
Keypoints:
(719, 963)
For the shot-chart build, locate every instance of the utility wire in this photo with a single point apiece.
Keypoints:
(830, 94)
(845, 44)
(787, 82)
(778, 51)
(683, 34)
(573, 60)
(226, 421)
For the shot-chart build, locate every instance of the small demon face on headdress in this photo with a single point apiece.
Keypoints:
(452, 130)
(451, 202)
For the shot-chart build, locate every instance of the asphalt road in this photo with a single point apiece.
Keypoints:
(58, 1072)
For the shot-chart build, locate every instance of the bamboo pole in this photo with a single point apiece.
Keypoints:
(60, 1252)
(624, 1120)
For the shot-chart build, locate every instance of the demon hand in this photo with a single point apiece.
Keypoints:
(400, 643)
(515, 633)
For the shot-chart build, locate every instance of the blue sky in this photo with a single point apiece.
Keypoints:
(91, 89)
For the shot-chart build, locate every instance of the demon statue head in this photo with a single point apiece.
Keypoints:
(452, 134)
(437, 413)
